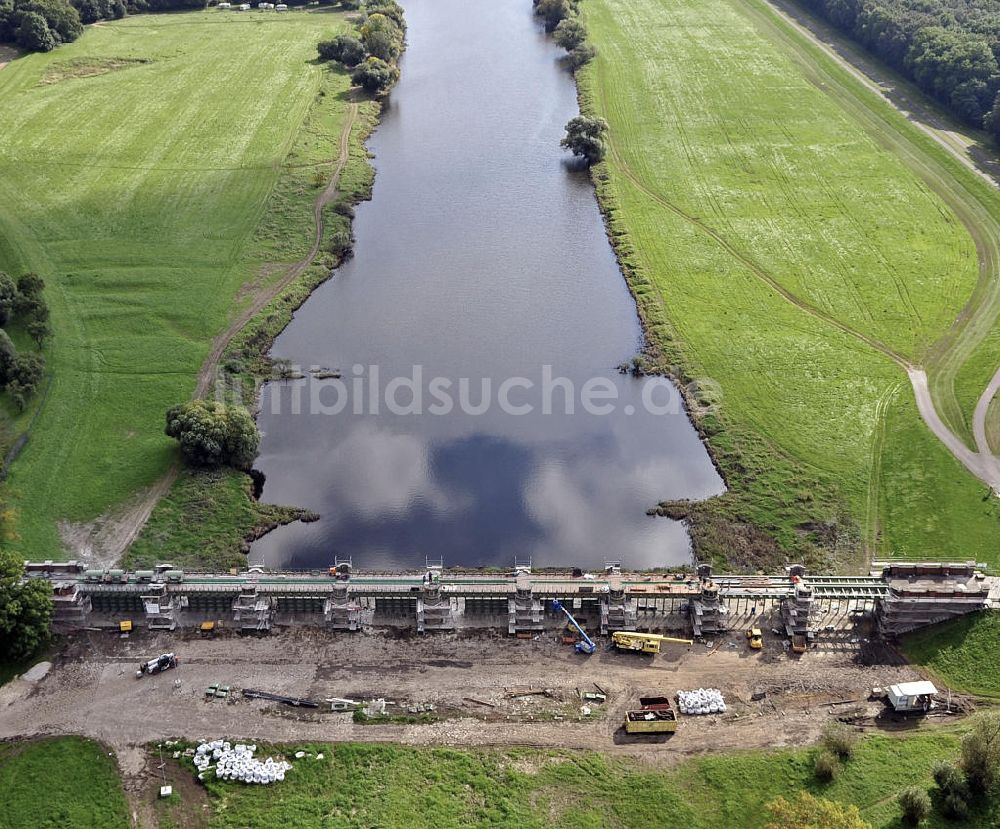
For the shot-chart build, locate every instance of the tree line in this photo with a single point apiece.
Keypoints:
(372, 51)
(23, 304)
(949, 48)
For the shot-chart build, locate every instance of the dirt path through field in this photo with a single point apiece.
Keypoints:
(979, 314)
(977, 317)
(103, 541)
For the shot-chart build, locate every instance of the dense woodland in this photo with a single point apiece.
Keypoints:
(950, 48)
(42, 25)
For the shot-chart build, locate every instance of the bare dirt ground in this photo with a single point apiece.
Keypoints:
(487, 689)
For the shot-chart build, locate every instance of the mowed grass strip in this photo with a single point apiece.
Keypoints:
(135, 193)
(787, 250)
(67, 782)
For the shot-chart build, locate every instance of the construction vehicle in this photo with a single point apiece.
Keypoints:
(586, 644)
(755, 639)
(629, 640)
(163, 662)
(655, 716)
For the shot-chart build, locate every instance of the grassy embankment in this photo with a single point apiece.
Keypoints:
(786, 233)
(394, 786)
(66, 782)
(156, 178)
(963, 653)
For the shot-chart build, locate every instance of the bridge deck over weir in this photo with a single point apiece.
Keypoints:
(899, 595)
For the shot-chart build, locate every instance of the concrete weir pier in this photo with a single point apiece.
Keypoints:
(896, 596)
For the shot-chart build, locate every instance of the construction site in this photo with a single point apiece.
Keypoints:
(653, 666)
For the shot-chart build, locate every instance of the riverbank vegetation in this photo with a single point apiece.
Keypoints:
(786, 257)
(150, 239)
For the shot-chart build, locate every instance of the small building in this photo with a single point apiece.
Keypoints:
(912, 696)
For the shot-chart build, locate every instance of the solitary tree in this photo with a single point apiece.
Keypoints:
(915, 805)
(981, 753)
(553, 11)
(25, 610)
(585, 137)
(33, 33)
(39, 330)
(375, 75)
(345, 49)
(570, 33)
(382, 37)
(8, 358)
(211, 434)
(952, 795)
(582, 54)
(809, 812)
(8, 296)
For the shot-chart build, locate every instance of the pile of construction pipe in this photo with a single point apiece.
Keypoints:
(236, 762)
(701, 701)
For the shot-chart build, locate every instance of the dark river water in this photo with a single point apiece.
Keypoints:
(481, 257)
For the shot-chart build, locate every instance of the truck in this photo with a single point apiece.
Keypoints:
(911, 697)
(655, 715)
(163, 662)
(629, 640)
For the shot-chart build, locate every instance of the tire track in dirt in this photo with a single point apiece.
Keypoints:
(105, 540)
(982, 465)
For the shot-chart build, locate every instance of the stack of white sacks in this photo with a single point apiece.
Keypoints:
(236, 762)
(701, 701)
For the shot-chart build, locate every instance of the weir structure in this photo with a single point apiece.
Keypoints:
(897, 596)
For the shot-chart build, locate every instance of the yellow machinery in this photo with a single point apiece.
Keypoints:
(125, 626)
(655, 716)
(627, 640)
(755, 639)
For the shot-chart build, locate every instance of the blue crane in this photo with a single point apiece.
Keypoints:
(586, 644)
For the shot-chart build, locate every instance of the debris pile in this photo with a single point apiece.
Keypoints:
(701, 701)
(236, 762)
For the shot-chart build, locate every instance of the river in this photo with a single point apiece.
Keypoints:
(481, 257)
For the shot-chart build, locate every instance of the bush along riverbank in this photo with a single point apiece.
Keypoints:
(222, 505)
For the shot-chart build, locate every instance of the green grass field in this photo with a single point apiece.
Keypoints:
(65, 782)
(396, 787)
(786, 232)
(964, 653)
(136, 166)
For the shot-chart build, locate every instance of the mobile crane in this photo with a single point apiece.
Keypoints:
(586, 644)
(628, 640)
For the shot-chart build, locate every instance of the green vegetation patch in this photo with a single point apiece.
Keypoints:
(785, 234)
(205, 521)
(964, 653)
(65, 782)
(86, 68)
(136, 195)
(390, 786)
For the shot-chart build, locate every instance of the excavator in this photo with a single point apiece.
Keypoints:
(628, 640)
(586, 644)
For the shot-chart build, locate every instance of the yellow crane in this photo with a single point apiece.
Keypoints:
(627, 640)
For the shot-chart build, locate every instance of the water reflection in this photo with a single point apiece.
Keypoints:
(481, 255)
